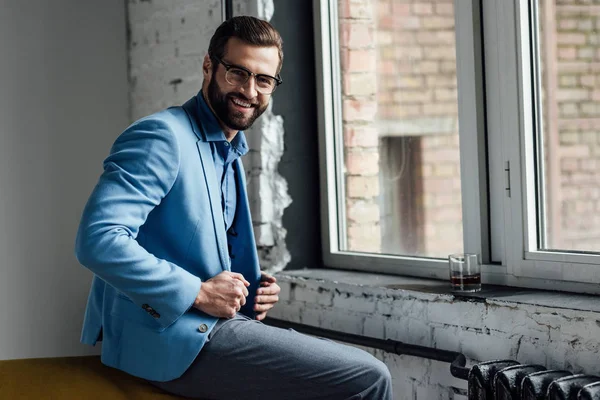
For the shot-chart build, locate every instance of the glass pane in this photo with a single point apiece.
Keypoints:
(400, 121)
(569, 48)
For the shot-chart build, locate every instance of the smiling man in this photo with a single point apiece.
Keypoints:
(178, 294)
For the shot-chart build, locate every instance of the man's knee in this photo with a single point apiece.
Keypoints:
(374, 380)
(379, 373)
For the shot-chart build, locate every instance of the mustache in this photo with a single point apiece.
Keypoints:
(243, 98)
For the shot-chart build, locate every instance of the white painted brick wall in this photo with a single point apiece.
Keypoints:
(167, 43)
(494, 329)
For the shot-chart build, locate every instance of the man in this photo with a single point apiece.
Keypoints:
(177, 293)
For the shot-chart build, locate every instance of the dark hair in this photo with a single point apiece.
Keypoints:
(251, 30)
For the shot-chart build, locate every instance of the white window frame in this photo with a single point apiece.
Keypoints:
(527, 265)
(509, 133)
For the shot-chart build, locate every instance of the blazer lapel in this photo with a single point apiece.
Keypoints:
(243, 219)
(214, 195)
(210, 177)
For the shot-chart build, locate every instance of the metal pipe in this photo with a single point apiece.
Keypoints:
(457, 360)
(228, 5)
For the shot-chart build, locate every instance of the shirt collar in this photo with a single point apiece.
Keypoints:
(212, 129)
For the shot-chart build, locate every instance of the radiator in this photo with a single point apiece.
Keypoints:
(509, 380)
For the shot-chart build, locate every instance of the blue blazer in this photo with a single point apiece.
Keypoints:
(152, 232)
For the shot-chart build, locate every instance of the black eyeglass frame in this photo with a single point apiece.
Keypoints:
(227, 66)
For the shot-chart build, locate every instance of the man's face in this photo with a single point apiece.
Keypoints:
(237, 107)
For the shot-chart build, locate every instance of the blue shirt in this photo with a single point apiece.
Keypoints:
(224, 153)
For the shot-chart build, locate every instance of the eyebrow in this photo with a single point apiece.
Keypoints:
(247, 70)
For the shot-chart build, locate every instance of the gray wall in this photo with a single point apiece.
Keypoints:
(295, 101)
(63, 100)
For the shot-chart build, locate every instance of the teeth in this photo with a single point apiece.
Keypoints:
(241, 103)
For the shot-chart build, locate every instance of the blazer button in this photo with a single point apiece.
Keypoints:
(203, 328)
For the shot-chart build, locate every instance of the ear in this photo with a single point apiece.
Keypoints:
(207, 67)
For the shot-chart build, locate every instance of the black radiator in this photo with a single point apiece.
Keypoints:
(509, 380)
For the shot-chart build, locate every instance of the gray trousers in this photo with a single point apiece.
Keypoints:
(245, 360)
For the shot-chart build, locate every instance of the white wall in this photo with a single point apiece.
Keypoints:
(63, 100)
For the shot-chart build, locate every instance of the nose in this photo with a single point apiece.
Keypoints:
(249, 88)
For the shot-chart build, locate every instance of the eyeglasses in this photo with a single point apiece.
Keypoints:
(238, 76)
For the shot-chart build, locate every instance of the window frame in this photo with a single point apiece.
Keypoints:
(566, 270)
(495, 227)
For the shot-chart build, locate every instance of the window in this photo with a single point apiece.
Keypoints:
(400, 153)
(567, 134)
(462, 126)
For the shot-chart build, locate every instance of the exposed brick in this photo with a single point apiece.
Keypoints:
(429, 67)
(409, 81)
(362, 162)
(361, 211)
(357, 35)
(574, 151)
(435, 37)
(413, 96)
(448, 66)
(361, 136)
(444, 9)
(443, 94)
(446, 53)
(400, 8)
(438, 22)
(568, 80)
(359, 109)
(571, 39)
(567, 24)
(364, 237)
(586, 53)
(407, 23)
(362, 187)
(446, 170)
(567, 53)
(407, 110)
(569, 137)
(422, 8)
(357, 9)
(360, 84)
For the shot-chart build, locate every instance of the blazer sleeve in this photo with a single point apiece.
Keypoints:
(139, 172)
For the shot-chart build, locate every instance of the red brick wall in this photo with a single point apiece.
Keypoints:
(399, 79)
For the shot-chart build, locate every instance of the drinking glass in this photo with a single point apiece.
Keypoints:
(465, 272)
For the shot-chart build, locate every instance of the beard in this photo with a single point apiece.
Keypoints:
(221, 104)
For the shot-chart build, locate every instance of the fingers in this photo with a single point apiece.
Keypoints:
(269, 290)
(239, 276)
(243, 289)
(266, 299)
(261, 316)
(266, 277)
(264, 307)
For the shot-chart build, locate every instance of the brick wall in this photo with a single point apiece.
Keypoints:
(578, 123)
(399, 80)
(359, 102)
(167, 43)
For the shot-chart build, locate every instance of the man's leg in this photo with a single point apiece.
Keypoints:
(248, 360)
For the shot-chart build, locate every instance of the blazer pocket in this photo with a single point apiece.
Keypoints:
(127, 310)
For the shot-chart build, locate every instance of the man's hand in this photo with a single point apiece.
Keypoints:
(266, 295)
(223, 295)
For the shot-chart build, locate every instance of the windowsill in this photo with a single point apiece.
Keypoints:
(423, 288)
